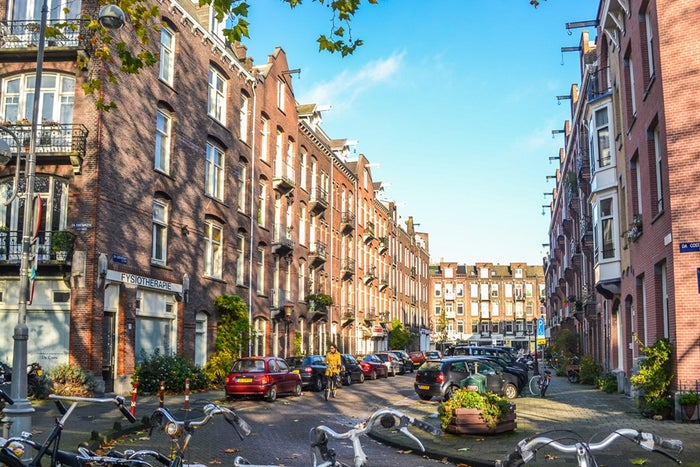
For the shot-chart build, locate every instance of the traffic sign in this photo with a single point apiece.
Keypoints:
(540, 328)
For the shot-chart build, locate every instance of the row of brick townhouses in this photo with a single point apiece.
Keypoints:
(624, 265)
(486, 304)
(208, 179)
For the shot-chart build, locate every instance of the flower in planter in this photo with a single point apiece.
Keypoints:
(494, 409)
(23, 121)
(51, 123)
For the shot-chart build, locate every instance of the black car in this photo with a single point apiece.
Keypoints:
(440, 378)
(311, 369)
(351, 371)
(496, 354)
(408, 365)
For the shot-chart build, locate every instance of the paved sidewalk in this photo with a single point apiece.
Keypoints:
(566, 407)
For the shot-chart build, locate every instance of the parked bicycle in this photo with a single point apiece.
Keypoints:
(570, 442)
(12, 450)
(573, 370)
(324, 456)
(539, 383)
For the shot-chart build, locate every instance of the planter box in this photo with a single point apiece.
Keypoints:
(470, 422)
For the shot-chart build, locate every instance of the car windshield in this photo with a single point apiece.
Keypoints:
(430, 366)
(248, 366)
(297, 361)
(383, 357)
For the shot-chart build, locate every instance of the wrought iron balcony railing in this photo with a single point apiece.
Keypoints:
(53, 139)
(24, 34)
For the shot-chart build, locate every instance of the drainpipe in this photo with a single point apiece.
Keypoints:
(253, 185)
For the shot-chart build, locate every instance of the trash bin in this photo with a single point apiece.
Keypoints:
(475, 382)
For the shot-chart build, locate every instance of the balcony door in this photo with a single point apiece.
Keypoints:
(30, 10)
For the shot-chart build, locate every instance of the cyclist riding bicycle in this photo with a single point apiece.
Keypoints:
(333, 365)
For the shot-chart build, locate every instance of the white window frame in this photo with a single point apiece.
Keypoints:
(242, 186)
(214, 172)
(166, 71)
(280, 94)
(216, 104)
(56, 102)
(159, 243)
(262, 203)
(243, 117)
(658, 169)
(650, 42)
(164, 123)
(264, 138)
(240, 259)
(260, 280)
(213, 249)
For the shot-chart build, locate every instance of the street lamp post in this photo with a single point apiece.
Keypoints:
(19, 414)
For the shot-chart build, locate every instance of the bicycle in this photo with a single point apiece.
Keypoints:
(573, 370)
(526, 449)
(539, 383)
(332, 385)
(323, 456)
(13, 449)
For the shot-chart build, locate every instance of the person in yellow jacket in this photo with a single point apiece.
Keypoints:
(333, 364)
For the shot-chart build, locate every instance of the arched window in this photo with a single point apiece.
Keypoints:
(55, 102)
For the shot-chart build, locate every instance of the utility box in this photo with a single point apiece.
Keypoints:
(475, 382)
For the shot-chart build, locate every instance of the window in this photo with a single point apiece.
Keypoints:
(460, 308)
(242, 185)
(657, 159)
(240, 259)
(474, 290)
(163, 141)
(302, 280)
(438, 290)
(518, 273)
(167, 55)
(475, 309)
(261, 271)
(494, 290)
(262, 205)
(438, 308)
(280, 94)
(649, 43)
(213, 249)
(460, 290)
(302, 169)
(264, 138)
(160, 233)
(602, 138)
(244, 117)
(301, 237)
(214, 172)
(630, 93)
(216, 106)
(604, 241)
(55, 104)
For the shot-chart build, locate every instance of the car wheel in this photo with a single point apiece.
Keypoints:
(348, 380)
(373, 375)
(362, 378)
(297, 390)
(271, 394)
(425, 397)
(510, 391)
(448, 393)
(318, 384)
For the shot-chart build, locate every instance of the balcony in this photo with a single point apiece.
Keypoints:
(318, 253)
(598, 85)
(368, 234)
(347, 268)
(283, 179)
(57, 143)
(347, 222)
(20, 39)
(384, 317)
(384, 284)
(413, 272)
(348, 316)
(282, 241)
(45, 250)
(280, 298)
(318, 201)
(369, 277)
(383, 245)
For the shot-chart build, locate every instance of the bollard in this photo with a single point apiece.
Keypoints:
(187, 394)
(161, 395)
(134, 390)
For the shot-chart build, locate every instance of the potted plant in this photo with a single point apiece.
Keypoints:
(61, 244)
(470, 412)
(689, 402)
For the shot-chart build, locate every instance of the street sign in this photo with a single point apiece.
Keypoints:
(687, 247)
(540, 328)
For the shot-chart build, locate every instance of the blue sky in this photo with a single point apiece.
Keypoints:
(454, 100)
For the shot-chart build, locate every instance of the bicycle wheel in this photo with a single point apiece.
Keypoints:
(327, 389)
(535, 385)
(573, 376)
(544, 384)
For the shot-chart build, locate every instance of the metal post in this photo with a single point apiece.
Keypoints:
(534, 333)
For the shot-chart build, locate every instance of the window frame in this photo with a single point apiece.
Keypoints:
(213, 249)
(159, 231)
(166, 59)
(216, 98)
(214, 171)
(163, 146)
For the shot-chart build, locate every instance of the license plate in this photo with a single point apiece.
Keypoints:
(244, 380)
(424, 387)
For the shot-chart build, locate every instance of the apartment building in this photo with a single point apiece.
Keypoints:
(624, 259)
(486, 303)
(207, 179)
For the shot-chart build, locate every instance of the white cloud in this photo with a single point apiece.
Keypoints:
(345, 88)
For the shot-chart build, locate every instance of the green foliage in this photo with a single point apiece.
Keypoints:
(399, 337)
(655, 376)
(232, 338)
(661, 406)
(689, 398)
(173, 370)
(319, 301)
(565, 343)
(607, 383)
(590, 370)
(493, 408)
(70, 380)
(298, 342)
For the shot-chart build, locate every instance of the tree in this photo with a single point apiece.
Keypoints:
(398, 337)
(232, 337)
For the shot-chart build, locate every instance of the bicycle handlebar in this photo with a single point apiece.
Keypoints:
(118, 401)
(526, 449)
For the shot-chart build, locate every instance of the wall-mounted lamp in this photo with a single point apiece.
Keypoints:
(549, 177)
(553, 158)
(186, 286)
(545, 206)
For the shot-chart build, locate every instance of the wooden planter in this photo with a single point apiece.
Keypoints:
(470, 422)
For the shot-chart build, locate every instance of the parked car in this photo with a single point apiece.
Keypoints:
(392, 362)
(351, 371)
(373, 367)
(440, 378)
(418, 357)
(261, 376)
(311, 369)
(433, 355)
(502, 356)
(405, 359)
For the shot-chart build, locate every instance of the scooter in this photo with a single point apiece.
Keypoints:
(37, 383)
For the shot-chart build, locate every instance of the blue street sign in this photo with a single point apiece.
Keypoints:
(687, 247)
(540, 327)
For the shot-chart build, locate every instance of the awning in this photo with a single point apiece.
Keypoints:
(608, 289)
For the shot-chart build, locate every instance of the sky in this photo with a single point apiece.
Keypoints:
(452, 101)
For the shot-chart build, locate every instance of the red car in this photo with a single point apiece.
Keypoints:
(418, 357)
(373, 367)
(262, 376)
